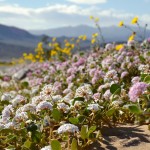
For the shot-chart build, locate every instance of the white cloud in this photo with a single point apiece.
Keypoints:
(89, 2)
(58, 15)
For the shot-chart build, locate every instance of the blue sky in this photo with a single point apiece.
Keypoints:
(43, 14)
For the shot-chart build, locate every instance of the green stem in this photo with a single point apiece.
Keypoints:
(101, 35)
(145, 30)
(133, 31)
(140, 30)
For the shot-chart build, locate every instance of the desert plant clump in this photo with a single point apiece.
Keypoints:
(63, 100)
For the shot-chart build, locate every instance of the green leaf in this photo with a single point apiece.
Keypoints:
(143, 76)
(91, 130)
(6, 131)
(110, 112)
(98, 134)
(27, 144)
(11, 137)
(134, 108)
(84, 132)
(56, 114)
(147, 79)
(55, 144)
(74, 120)
(11, 147)
(74, 145)
(115, 89)
(5, 102)
(24, 84)
(81, 118)
(142, 58)
(36, 136)
(77, 99)
(32, 127)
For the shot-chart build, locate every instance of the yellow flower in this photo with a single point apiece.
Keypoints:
(119, 46)
(72, 46)
(67, 44)
(121, 23)
(132, 36)
(53, 52)
(96, 19)
(24, 54)
(91, 17)
(66, 51)
(93, 40)
(40, 45)
(84, 37)
(56, 44)
(134, 20)
(94, 35)
(53, 39)
(50, 44)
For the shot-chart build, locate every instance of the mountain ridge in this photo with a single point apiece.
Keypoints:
(24, 40)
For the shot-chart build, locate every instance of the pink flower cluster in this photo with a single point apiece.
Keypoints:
(137, 90)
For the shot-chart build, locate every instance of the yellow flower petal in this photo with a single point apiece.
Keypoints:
(119, 46)
(134, 20)
(121, 23)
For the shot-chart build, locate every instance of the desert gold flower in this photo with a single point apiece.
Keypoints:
(119, 46)
(53, 39)
(40, 45)
(121, 23)
(93, 40)
(132, 36)
(24, 54)
(53, 52)
(91, 17)
(134, 20)
(84, 37)
(96, 19)
(94, 35)
(72, 46)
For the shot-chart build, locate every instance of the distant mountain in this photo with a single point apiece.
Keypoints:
(8, 51)
(15, 41)
(111, 33)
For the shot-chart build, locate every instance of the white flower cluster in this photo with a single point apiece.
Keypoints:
(6, 97)
(46, 148)
(111, 75)
(18, 100)
(67, 128)
(44, 105)
(48, 91)
(93, 107)
(63, 107)
(84, 91)
(144, 68)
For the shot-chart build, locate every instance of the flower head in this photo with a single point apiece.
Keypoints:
(46, 148)
(93, 107)
(44, 105)
(121, 23)
(137, 90)
(84, 91)
(131, 38)
(119, 47)
(68, 128)
(134, 20)
(48, 91)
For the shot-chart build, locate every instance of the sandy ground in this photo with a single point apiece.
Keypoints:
(124, 137)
